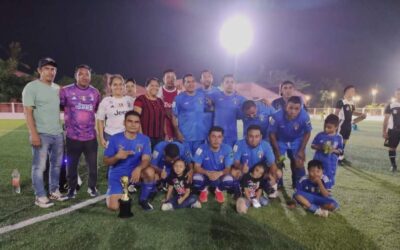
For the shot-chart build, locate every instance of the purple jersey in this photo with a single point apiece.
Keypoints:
(80, 106)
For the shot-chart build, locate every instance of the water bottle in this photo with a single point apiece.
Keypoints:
(15, 181)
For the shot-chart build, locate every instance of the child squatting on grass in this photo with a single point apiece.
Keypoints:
(179, 194)
(311, 191)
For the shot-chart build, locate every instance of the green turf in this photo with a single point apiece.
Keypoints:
(369, 217)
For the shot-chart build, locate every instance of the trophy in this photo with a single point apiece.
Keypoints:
(125, 201)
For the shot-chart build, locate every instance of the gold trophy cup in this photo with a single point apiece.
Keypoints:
(125, 201)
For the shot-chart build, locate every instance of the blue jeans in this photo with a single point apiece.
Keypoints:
(52, 145)
(187, 203)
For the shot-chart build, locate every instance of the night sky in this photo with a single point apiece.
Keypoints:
(356, 41)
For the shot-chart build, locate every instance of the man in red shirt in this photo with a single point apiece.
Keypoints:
(167, 93)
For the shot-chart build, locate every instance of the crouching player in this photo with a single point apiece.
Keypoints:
(311, 191)
(252, 190)
(328, 145)
(128, 154)
(179, 194)
(212, 164)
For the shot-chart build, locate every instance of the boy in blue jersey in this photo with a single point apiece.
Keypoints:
(256, 113)
(128, 154)
(212, 165)
(328, 145)
(189, 108)
(206, 81)
(289, 132)
(311, 191)
(227, 105)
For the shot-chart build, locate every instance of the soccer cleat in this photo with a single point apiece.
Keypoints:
(57, 196)
(393, 169)
(322, 212)
(43, 202)
(203, 196)
(71, 194)
(197, 204)
(219, 196)
(146, 205)
(167, 207)
(93, 192)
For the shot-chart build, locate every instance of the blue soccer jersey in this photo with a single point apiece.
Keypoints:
(214, 161)
(140, 146)
(261, 119)
(190, 110)
(158, 157)
(306, 185)
(289, 130)
(252, 155)
(280, 103)
(334, 141)
(209, 114)
(226, 112)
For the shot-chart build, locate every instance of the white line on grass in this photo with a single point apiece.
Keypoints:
(51, 215)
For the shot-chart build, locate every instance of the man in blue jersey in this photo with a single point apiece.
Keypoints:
(289, 132)
(128, 154)
(188, 109)
(227, 105)
(256, 113)
(212, 164)
(206, 81)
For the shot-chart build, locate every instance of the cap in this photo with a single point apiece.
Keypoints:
(47, 61)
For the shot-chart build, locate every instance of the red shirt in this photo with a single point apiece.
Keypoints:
(168, 97)
(152, 118)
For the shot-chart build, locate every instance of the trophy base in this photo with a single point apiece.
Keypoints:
(125, 209)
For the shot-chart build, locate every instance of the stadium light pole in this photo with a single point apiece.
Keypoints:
(236, 36)
(374, 91)
(333, 94)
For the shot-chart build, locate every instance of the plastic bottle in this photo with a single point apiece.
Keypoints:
(15, 181)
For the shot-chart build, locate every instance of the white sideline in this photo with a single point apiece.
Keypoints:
(51, 215)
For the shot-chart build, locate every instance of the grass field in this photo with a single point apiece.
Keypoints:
(369, 215)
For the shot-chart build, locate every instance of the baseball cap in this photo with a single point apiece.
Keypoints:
(47, 61)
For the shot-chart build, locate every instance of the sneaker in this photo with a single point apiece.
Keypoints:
(255, 203)
(203, 196)
(93, 192)
(57, 196)
(273, 195)
(43, 202)
(197, 204)
(393, 169)
(71, 194)
(146, 205)
(219, 196)
(322, 212)
(167, 207)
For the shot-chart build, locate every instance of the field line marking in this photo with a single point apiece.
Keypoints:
(51, 215)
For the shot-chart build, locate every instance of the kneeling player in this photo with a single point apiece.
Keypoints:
(391, 129)
(128, 154)
(252, 190)
(311, 191)
(212, 164)
(179, 194)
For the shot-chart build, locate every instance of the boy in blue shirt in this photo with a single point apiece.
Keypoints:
(311, 191)
(289, 132)
(128, 154)
(328, 145)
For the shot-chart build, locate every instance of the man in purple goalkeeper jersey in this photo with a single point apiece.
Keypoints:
(80, 101)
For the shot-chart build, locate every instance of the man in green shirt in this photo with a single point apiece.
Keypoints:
(42, 113)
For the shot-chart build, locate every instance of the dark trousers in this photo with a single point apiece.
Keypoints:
(75, 149)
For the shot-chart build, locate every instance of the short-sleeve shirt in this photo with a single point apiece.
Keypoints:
(179, 183)
(140, 146)
(45, 101)
(80, 106)
(153, 115)
(261, 118)
(306, 185)
(251, 183)
(279, 103)
(112, 111)
(335, 141)
(252, 155)
(346, 110)
(214, 161)
(393, 109)
(289, 130)
(158, 157)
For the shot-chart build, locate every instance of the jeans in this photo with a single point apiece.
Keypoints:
(187, 203)
(52, 145)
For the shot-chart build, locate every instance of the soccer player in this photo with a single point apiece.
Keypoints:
(212, 164)
(188, 110)
(256, 113)
(391, 128)
(311, 191)
(227, 105)
(252, 189)
(345, 109)
(80, 101)
(328, 145)
(289, 132)
(42, 114)
(179, 193)
(167, 93)
(128, 154)
(207, 87)
(287, 89)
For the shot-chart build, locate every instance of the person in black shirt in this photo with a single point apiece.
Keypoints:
(345, 109)
(179, 194)
(286, 90)
(391, 128)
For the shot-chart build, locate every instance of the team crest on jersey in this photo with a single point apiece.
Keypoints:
(221, 159)
(271, 121)
(262, 118)
(91, 98)
(235, 148)
(155, 154)
(199, 151)
(139, 148)
(260, 154)
(296, 126)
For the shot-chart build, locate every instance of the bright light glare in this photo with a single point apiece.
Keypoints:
(307, 97)
(357, 98)
(236, 35)
(333, 94)
(374, 91)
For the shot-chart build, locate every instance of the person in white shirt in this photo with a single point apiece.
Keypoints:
(112, 109)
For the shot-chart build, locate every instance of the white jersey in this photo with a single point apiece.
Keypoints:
(112, 110)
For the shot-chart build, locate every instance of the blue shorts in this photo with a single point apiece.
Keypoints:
(316, 199)
(114, 183)
(290, 147)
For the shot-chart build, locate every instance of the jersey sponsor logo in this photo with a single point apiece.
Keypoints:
(87, 107)
(118, 113)
(168, 105)
(199, 151)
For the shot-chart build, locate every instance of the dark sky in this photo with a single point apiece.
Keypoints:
(356, 41)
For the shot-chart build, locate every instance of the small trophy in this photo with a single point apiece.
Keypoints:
(125, 201)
